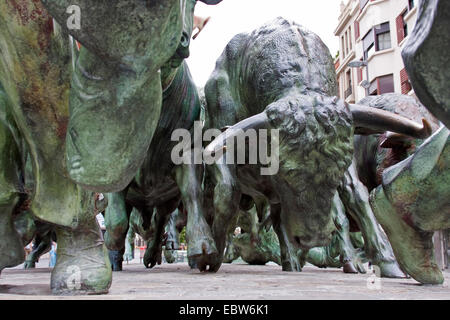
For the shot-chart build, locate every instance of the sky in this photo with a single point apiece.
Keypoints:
(231, 17)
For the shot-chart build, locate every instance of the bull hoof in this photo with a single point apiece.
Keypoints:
(291, 266)
(203, 253)
(390, 270)
(87, 273)
(286, 266)
(82, 264)
(349, 268)
(169, 255)
(153, 256)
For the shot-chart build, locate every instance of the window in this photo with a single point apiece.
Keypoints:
(377, 39)
(349, 90)
(402, 26)
(350, 37)
(382, 85)
(405, 25)
(386, 84)
(384, 41)
(383, 37)
(368, 44)
(346, 43)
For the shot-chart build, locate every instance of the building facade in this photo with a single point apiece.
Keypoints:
(373, 32)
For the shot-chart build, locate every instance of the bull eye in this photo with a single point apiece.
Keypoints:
(185, 37)
(297, 240)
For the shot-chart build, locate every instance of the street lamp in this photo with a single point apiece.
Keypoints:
(359, 64)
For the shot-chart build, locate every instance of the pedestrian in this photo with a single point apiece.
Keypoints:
(53, 255)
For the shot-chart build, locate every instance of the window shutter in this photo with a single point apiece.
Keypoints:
(360, 71)
(386, 84)
(357, 34)
(404, 80)
(400, 31)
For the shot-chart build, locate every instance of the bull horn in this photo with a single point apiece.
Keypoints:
(259, 121)
(368, 120)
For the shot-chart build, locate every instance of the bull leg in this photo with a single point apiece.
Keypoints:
(173, 242)
(254, 234)
(129, 245)
(201, 246)
(227, 197)
(11, 246)
(348, 254)
(355, 197)
(232, 251)
(289, 261)
(173, 237)
(153, 254)
(41, 245)
(116, 221)
(82, 266)
(25, 225)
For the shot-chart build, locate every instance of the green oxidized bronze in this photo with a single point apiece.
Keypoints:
(160, 186)
(281, 76)
(412, 200)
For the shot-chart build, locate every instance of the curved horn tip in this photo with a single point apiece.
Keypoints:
(427, 130)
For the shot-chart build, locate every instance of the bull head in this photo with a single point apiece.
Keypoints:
(306, 193)
(116, 91)
(412, 202)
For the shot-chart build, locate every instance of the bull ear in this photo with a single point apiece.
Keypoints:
(210, 1)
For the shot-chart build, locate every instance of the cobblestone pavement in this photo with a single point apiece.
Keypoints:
(233, 282)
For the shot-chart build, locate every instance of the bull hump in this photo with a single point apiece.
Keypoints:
(279, 56)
